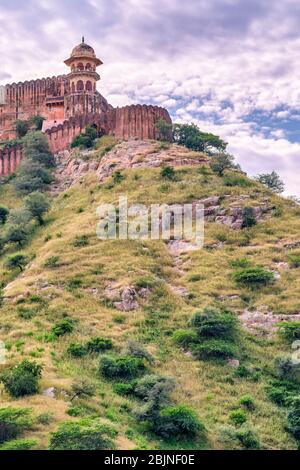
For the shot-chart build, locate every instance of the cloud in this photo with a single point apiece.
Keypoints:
(232, 66)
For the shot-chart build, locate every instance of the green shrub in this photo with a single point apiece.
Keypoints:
(238, 417)
(211, 323)
(178, 421)
(122, 388)
(168, 173)
(236, 180)
(248, 402)
(248, 217)
(154, 385)
(240, 263)
(81, 241)
(254, 277)
(244, 437)
(293, 419)
(87, 139)
(214, 349)
(77, 350)
(282, 392)
(18, 260)
(62, 327)
(3, 214)
(135, 349)
(126, 367)
(19, 444)
(290, 331)
(22, 379)
(13, 421)
(294, 259)
(185, 338)
(97, 345)
(118, 177)
(52, 262)
(286, 368)
(85, 434)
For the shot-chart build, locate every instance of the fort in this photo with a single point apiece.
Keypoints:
(68, 103)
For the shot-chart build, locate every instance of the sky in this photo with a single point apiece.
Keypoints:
(230, 66)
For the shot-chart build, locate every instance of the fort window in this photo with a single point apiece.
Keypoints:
(88, 67)
(80, 66)
(80, 85)
(89, 86)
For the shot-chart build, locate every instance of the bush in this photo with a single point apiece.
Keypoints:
(135, 349)
(122, 388)
(244, 436)
(293, 258)
(286, 368)
(3, 214)
(77, 350)
(52, 262)
(168, 173)
(32, 176)
(293, 419)
(247, 401)
(254, 277)
(97, 345)
(238, 417)
(21, 128)
(85, 434)
(290, 331)
(236, 180)
(22, 380)
(37, 204)
(185, 338)
(211, 323)
(154, 385)
(214, 349)
(178, 421)
(118, 177)
(126, 367)
(16, 234)
(87, 139)
(80, 241)
(19, 444)
(282, 392)
(64, 326)
(248, 217)
(13, 421)
(83, 388)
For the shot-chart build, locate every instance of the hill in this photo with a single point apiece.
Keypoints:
(140, 297)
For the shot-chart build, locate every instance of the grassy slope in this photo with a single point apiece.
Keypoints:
(208, 387)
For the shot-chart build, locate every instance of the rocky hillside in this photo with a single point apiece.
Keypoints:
(139, 297)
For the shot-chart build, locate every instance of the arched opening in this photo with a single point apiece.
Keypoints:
(80, 66)
(88, 67)
(89, 86)
(80, 85)
(73, 87)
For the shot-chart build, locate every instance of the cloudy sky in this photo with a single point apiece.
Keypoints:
(231, 66)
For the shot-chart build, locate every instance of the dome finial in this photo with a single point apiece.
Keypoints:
(82, 38)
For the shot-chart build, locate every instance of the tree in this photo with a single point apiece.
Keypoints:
(191, 137)
(32, 177)
(22, 379)
(21, 128)
(17, 260)
(87, 139)
(16, 234)
(82, 389)
(3, 214)
(37, 204)
(272, 181)
(20, 216)
(164, 129)
(222, 162)
(37, 122)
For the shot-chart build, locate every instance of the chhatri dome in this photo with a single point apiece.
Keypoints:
(83, 51)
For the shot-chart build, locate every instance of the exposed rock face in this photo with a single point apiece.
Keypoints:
(131, 154)
(264, 323)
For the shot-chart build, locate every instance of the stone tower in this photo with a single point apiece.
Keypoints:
(83, 97)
